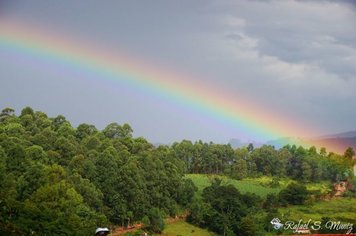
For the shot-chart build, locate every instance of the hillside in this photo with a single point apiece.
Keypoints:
(339, 144)
(334, 142)
(58, 178)
(349, 134)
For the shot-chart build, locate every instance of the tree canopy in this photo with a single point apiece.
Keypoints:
(62, 180)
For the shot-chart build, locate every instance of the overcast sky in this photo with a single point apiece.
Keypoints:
(297, 58)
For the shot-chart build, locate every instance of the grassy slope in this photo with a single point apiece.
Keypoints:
(343, 209)
(258, 186)
(247, 185)
(184, 229)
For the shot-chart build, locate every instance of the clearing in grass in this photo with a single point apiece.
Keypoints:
(185, 229)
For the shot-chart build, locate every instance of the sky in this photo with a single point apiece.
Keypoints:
(294, 60)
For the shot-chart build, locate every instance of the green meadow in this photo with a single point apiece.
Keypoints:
(260, 186)
(247, 185)
(183, 228)
(179, 228)
(343, 209)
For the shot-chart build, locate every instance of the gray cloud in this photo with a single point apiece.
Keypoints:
(300, 52)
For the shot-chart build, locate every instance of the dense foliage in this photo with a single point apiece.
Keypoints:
(58, 180)
(295, 194)
(224, 210)
(298, 163)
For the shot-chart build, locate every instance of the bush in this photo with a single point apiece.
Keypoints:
(274, 182)
(295, 194)
(154, 221)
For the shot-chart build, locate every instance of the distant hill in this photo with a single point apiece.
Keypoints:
(333, 142)
(279, 143)
(237, 143)
(338, 144)
(349, 134)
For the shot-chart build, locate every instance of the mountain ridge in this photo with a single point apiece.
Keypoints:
(338, 142)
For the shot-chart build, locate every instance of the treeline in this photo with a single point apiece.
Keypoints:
(290, 161)
(60, 180)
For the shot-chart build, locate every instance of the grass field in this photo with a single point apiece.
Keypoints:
(183, 228)
(258, 186)
(179, 228)
(343, 209)
(244, 186)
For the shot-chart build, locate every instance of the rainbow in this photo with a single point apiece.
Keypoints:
(236, 112)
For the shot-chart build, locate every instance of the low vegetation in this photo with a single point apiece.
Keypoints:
(343, 209)
(182, 228)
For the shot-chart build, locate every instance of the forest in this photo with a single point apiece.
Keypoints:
(56, 179)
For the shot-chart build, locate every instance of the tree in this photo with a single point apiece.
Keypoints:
(271, 201)
(239, 169)
(306, 171)
(66, 130)
(266, 159)
(41, 120)
(227, 207)
(186, 192)
(91, 142)
(251, 200)
(198, 212)
(14, 129)
(58, 121)
(27, 122)
(45, 138)
(32, 179)
(132, 188)
(295, 194)
(85, 130)
(83, 166)
(66, 149)
(349, 153)
(140, 145)
(92, 196)
(6, 113)
(59, 209)
(185, 151)
(155, 220)
(36, 153)
(248, 226)
(27, 111)
(114, 130)
(16, 161)
(126, 131)
(250, 147)
(312, 150)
